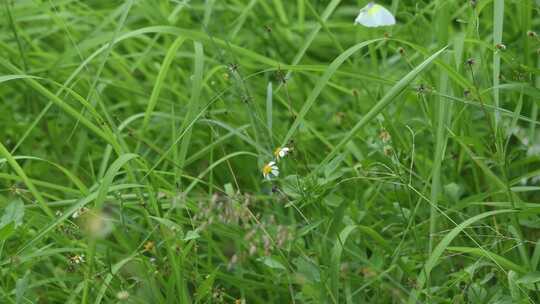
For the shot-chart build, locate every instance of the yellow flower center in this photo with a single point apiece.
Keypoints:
(267, 169)
(276, 153)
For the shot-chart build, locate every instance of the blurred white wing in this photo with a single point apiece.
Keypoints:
(385, 17)
(373, 15)
(366, 20)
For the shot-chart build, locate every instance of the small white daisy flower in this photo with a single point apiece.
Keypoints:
(281, 152)
(270, 170)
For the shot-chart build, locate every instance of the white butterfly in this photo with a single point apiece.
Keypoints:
(373, 15)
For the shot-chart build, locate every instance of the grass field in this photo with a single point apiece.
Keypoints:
(134, 135)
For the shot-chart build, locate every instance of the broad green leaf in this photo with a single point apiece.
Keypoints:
(272, 263)
(308, 269)
(191, 235)
(6, 231)
(529, 278)
(14, 213)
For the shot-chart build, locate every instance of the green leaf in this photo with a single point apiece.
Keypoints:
(191, 235)
(476, 293)
(20, 172)
(529, 278)
(272, 263)
(512, 284)
(6, 231)
(205, 288)
(291, 185)
(110, 175)
(331, 167)
(321, 83)
(445, 242)
(14, 213)
(308, 269)
(167, 223)
(499, 260)
(307, 229)
(453, 191)
(20, 288)
(114, 270)
(229, 190)
(337, 250)
(536, 255)
(160, 80)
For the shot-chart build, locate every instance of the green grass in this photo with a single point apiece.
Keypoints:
(133, 133)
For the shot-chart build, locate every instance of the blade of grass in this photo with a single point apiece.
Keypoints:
(30, 80)
(321, 83)
(269, 109)
(498, 23)
(440, 121)
(386, 100)
(20, 172)
(100, 199)
(435, 256)
(160, 80)
(194, 103)
(501, 261)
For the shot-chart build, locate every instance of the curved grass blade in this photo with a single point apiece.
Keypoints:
(160, 80)
(386, 100)
(321, 83)
(100, 199)
(74, 179)
(501, 261)
(444, 244)
(17, 168)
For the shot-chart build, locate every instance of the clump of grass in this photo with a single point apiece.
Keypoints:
(132, 135)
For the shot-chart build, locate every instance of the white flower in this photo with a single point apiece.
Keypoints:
(270, 170)
(281, 152)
